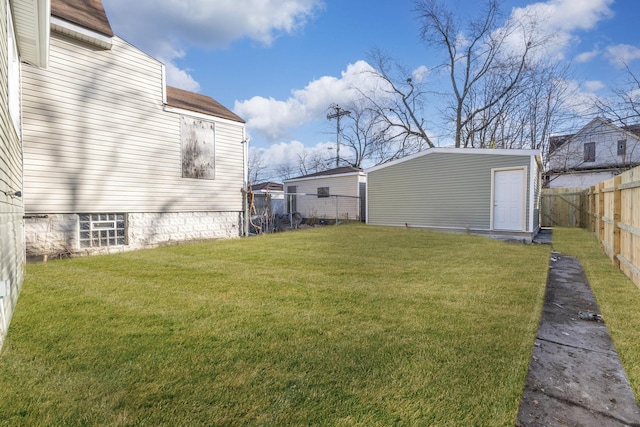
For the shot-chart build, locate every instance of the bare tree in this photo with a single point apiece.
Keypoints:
(486, 61)
(526, 117)
(366, 136)
(623, 107)
(286, 170)
(256, 165)
(396, 110)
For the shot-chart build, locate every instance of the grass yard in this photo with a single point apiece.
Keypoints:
(341, 326)
(617, 297)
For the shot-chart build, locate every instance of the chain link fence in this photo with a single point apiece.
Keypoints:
(289, 211)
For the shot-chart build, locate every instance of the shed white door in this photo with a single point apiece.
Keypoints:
(508, 200)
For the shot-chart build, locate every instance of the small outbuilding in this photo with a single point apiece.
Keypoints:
(335, 194)
(494, 192)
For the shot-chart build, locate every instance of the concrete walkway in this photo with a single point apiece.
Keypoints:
(575, 376)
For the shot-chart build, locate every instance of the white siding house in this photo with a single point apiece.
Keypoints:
(24, 34)
(493, 192)
(597, 152)
(113, 158)
(335, 194)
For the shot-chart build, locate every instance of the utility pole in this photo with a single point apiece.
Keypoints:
(339, 112)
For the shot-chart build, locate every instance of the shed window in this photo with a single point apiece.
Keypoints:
(589, 151)
(622, 147)
(323, 192)
(106, 229)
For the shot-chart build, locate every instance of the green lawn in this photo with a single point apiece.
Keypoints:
(340, 326)
(617, 297)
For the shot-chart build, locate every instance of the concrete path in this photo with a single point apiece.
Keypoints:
(575, 376)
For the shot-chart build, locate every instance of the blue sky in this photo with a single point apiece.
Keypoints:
(279, 64)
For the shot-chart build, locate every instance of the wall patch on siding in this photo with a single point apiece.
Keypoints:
(198, 148)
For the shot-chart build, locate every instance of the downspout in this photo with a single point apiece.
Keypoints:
(245, 182)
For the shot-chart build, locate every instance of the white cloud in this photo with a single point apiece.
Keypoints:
(558, 20)
(180, 78)
(272, 118)
(168, 25)
(282, 153)
(582, 100)
(593, 85)
(420, 73)
(622, 54)
(587, 56)
(288, 156)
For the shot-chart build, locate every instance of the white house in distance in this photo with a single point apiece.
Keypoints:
(113, 158)
(494, 192)
(24, 37)
(334, 194)
(597, 152)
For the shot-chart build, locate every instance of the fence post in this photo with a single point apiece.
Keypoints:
(617, 216)
(594, 213)
(600, 211)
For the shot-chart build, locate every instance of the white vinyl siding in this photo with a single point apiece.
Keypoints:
(97, 138)
(310, 205)
(603, 138)
(12, 247)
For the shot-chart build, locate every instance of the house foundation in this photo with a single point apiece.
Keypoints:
(61, 235)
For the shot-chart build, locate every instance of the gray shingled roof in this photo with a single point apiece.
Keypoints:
(86, 13)
(336, 171)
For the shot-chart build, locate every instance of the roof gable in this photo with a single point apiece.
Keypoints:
(198, 103)
(599, 122)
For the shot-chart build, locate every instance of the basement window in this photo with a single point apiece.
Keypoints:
(100, 230)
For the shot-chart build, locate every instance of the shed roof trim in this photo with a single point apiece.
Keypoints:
(341, 171)
(460, 151)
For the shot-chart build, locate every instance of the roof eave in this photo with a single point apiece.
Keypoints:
(78, 32)
(32, 29)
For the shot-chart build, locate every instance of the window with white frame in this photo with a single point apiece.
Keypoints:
(100, 230)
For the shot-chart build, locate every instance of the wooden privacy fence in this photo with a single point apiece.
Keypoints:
(564, 207)
(613, 209)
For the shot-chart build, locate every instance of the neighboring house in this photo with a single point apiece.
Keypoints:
(337, 194)
(598, 151)
(113, 158)
(493, 192)
(24, 36)
(268, 197)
